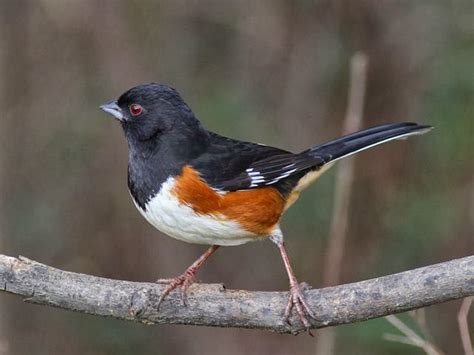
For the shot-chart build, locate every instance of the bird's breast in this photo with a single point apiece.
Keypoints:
(186, 208)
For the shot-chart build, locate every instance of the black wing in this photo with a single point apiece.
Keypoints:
(231, 165)
(271, 170)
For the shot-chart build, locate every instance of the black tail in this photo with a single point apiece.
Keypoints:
(367, 138)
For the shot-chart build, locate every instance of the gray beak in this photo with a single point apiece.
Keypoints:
(112, 108)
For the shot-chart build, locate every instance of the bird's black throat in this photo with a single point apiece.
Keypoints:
(152, 161)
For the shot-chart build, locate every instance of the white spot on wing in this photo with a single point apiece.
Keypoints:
(255, 177)
(282, 176)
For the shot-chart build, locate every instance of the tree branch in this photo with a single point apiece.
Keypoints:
(213, 305)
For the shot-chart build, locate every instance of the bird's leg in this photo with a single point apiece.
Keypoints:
(296, 298)
(186, 278)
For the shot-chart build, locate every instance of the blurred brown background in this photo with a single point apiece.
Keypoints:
(275, 72)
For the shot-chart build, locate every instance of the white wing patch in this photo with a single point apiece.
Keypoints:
(256, 178)
(259, 179)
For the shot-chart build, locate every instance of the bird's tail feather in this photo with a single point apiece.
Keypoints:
(365, 139)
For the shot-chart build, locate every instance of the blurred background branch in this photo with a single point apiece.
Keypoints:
(213, 305)
(410, 337)
(464, 326)
(342, 192)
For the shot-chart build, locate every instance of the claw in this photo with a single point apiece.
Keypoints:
(183, 281)
(186, 279)
(297, 300)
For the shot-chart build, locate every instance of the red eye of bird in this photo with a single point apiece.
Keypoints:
(136, 109)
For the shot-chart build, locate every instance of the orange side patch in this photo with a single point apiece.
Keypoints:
(256, 210)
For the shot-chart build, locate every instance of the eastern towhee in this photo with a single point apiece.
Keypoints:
(200, 187)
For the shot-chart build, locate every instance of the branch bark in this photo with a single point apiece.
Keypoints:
(213, 305)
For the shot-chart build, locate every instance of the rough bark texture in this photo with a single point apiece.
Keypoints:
(213, 305)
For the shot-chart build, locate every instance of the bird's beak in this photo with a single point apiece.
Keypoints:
(112, 108)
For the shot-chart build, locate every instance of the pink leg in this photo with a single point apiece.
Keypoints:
(187, 277)
(296, 298)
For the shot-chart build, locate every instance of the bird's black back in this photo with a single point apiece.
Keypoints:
(168, 136)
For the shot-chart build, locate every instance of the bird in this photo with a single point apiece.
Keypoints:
(200, 187)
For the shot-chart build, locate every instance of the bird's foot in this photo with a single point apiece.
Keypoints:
(183, 281)
(297, 301)
(186, 279)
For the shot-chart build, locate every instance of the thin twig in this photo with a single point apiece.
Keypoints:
(419, 316)
(399, 339)
(464, 326)
(345, 174)
(406, 330)
(342, 194)
(411, 336)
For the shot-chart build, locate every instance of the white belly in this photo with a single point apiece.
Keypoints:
(181, 222)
